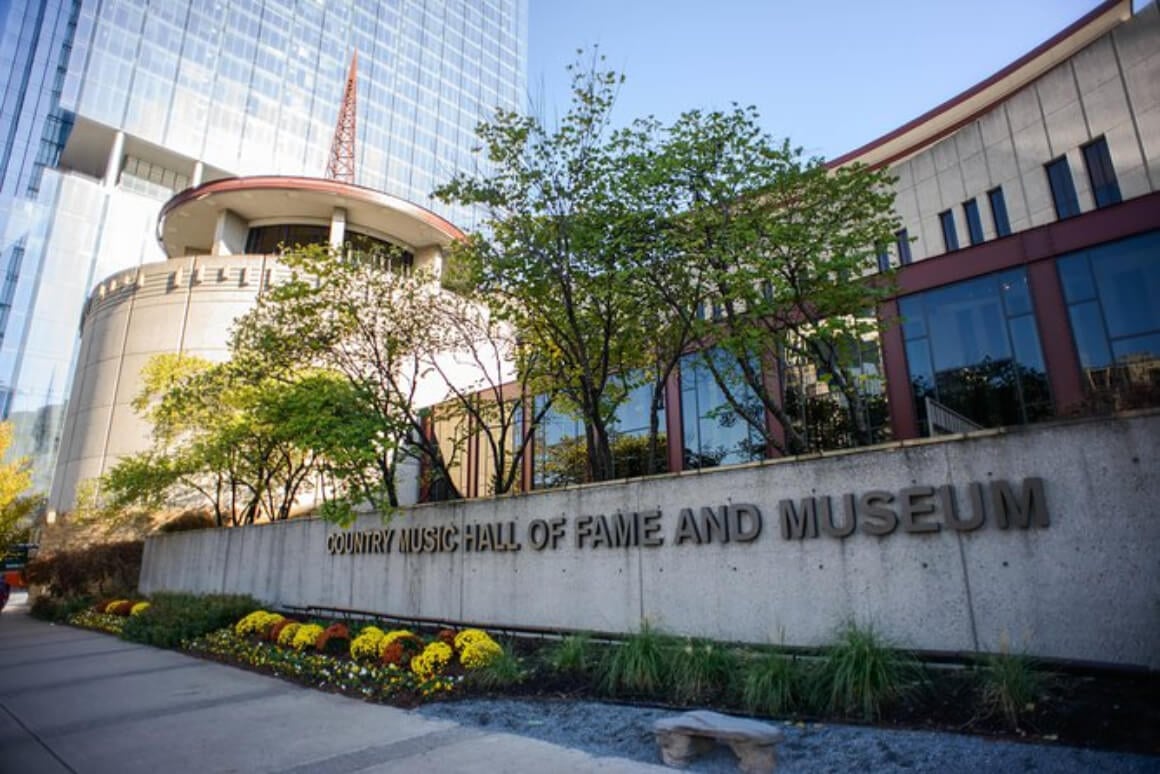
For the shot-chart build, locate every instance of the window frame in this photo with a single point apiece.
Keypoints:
(1062, 185)
(974, 222)
(1097, 158)
(999, 217)
(950, 234)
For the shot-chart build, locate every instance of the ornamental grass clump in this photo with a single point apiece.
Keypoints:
(860, 673)
(637, 666)
(702, 671)
(1011, 684)
(502, 670)
(773, 684)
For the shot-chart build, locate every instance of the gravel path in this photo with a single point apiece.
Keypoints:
(623, 731)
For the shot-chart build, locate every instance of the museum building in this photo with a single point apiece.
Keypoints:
(1027, 267)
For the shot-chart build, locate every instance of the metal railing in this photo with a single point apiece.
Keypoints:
(941, 420)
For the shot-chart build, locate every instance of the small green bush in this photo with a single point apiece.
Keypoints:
(189, 520)
(702, 671)
(58, 610)
(1011, 684)
(104, 569)
(860, 673)
(773, 684)
(173, 618)
(638, 666)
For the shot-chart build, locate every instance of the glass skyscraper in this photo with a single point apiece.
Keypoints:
(110, 106)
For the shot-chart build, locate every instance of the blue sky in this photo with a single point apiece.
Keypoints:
(831, 76)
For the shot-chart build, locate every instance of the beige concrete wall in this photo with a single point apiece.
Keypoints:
(184, 305)
(1110, 89)
(1085, 587)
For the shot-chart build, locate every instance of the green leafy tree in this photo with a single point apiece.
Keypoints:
(17, 507)
(552, 256)
(235, 440)
(783, 244)
(367, 318)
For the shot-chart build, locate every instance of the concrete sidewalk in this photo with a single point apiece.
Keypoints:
(78, 701)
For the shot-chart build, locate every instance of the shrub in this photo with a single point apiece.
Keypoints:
(365, 647)
(104, 569)
(702, 671)
(306, 636)
(772, 684)
(1011, 684)
(860, 673)
(480, 653)
(638, 665)
(398, 648)
(432, 660)
(335, 640)
(447, 636)
(257, 622)
(172, 618)
(288, 632)
(59, 610)
(189, 520)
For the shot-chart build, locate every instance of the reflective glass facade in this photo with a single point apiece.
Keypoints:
(1113, 301)
(113, 105)
(974, 348)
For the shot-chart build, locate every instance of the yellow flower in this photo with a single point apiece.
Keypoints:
(306, 636)
(286, 636)
(109, 607)
(256, 622)
(432, 660)
(480, 653)
(390, 637)
(139, 608)
(366, 644)
(468, 636)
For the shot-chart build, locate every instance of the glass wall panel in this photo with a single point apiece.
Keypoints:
(982, 358)
(714, 434)
(1113, 297)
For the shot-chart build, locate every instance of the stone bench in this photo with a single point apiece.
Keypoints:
(683, 737)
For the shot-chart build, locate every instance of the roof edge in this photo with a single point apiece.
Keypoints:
(967, 106)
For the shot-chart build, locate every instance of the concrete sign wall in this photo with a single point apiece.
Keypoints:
(1046, 536)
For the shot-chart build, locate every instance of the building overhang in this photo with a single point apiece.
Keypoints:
(913, 137)
(190, 217)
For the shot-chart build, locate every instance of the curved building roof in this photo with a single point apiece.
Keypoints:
(190, 217)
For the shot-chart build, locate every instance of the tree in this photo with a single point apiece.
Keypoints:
(553, 256)
(247, 446)
(784, 244)
(16, 507)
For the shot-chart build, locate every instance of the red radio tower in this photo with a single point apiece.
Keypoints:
(341, 166)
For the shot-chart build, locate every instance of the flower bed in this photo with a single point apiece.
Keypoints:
(398, 665)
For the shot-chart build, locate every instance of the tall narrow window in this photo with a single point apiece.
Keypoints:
(974, 224)
(1062, 188)
(999, 212)
(883, 259)
(902, 242)
(950, 236)
(1101, 173)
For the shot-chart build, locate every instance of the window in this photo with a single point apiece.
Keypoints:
(1062, 188)
(902, 241)
(1101, 173)
(974, 223)
(714, 433)
(999, 212)
(1113, 299)
(950, 236)
(973, 348)
(883, 259)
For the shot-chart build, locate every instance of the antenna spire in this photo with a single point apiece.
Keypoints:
(341, 166)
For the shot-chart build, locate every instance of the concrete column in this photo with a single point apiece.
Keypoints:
(198, 174)
(113, 165)
(229, 234)
(337, 228)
